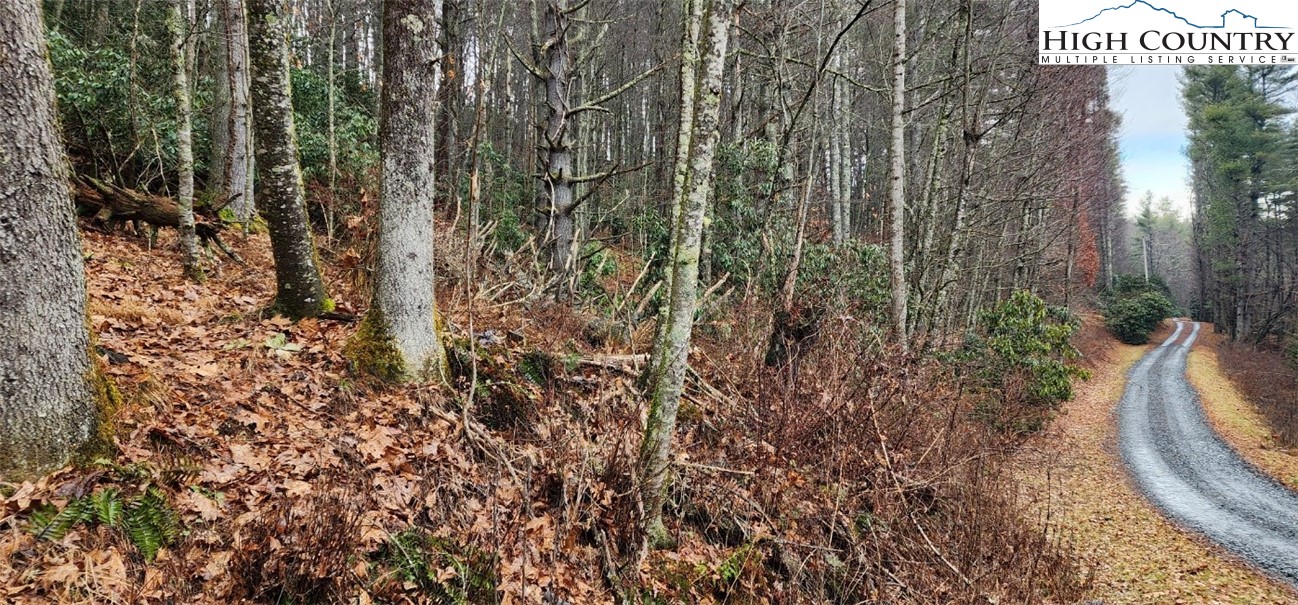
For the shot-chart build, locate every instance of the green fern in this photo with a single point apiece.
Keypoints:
(49, 523)
(148, 520)
(108, 505)
(151, 524)
(406, 555)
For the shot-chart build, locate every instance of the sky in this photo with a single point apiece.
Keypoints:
(1152, 136)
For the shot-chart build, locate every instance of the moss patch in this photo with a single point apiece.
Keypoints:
(107, 400)
(373, 352)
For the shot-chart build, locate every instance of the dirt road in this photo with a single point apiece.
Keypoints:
(1189, 473)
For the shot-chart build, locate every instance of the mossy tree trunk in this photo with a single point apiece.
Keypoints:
(400, 339)
(178, 25)
(692, 11)
(300, 291)
(48, 398)
(668, 384)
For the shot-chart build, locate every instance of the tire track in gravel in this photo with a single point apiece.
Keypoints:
(1194, 477)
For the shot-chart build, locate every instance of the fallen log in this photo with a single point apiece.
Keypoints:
(110, 204)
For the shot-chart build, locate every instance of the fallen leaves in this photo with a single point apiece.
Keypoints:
(1137, 556)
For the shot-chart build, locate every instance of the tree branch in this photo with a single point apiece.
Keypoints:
(595, 104)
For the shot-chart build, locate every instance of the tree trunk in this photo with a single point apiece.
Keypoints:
(178, 25)
(449, 92)
(556, 181)
(840, 158)
(300, 292)
(399, 339)
(898, 175)
(656, 450)
(219, 122)
(237, 186)
(331, 93)
(52, 397)
(693, 15)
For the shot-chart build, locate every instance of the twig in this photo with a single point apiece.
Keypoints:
(636, 283)
(718, 469)
(639, 310)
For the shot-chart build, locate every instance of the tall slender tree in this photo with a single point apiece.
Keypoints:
(231, 133)
(450, 95)
(399, 339)
(52, 396)
(179, 25)
(692, 14)
(655, 450)
(300, 291)
(897, 175)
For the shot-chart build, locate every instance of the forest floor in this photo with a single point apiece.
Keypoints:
(283, 477)
(1136, 555)
(273, 454)
(255, 428)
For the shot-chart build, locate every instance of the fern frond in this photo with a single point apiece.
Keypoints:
(48, 524)
(107, 506)
(151, 523)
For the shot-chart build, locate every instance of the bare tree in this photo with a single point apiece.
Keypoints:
(553, 66)
(897, 200)
(400, 339)
(231, 160)
(655, 451)
(179, 23)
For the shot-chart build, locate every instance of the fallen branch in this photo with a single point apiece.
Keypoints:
(629, 364)
(108, 202)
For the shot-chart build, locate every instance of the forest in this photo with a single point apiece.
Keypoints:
(584, 301)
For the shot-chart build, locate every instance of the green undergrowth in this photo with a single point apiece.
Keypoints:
(138, 509)
(510, 385)
(1134, 307)
(1019, 362)
(437, 570)
(740, 576)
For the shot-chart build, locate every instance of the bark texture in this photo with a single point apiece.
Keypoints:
(900, 292)
(47, 398)
(300, 292)
(403, 317)
(656, 450)
(178, 26)
(450, 91)
(231, 165)
(692, 10)
(556, 146)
